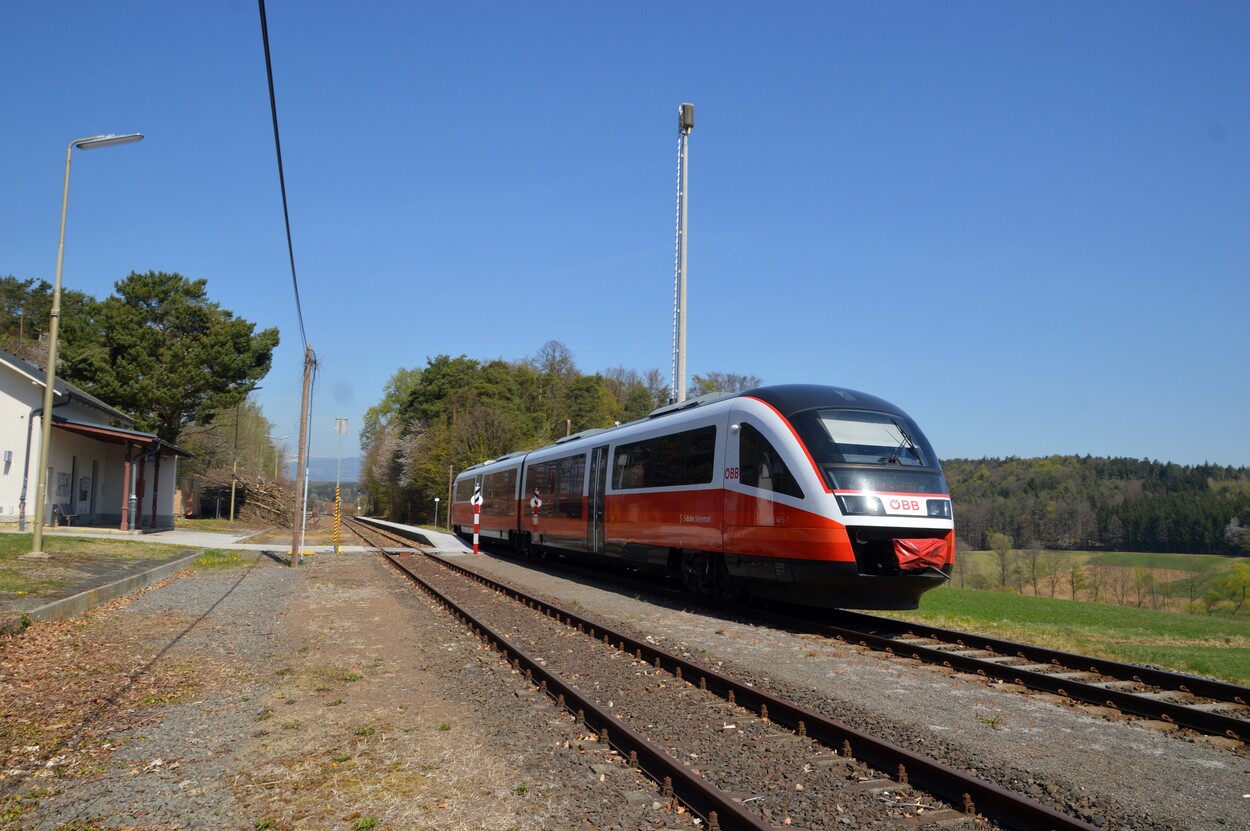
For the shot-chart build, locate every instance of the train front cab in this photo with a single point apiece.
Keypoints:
(790, 528)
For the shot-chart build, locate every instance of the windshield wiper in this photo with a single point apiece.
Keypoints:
(894, 459)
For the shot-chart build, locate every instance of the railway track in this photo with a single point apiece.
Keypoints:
(1203, 705)
(1211, 707)
(839, 746)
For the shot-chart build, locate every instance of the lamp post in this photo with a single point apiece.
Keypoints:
(436, 512)
(54, 328)
(234, 472)
(279, 454)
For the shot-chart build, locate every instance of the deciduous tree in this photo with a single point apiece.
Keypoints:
(1000, 544)
(722, 382)
(169, 356)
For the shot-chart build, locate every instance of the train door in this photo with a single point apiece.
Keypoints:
(736, 507)
(756, 474)
(598, 487)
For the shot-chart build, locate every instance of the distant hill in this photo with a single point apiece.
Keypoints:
(1085, 502)
(323, 469)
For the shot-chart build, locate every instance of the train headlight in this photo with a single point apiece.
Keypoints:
(861, 505)
(939, 508)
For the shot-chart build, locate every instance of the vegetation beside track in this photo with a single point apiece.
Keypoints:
(1201, 584)
(214, 559)
(20, 576)
(1201, 645)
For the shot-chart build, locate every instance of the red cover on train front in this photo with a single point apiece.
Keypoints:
(914, 555)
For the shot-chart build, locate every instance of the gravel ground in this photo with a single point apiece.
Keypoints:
(335, 695)
(332, 696)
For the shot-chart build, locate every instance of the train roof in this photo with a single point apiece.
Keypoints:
(789, 399)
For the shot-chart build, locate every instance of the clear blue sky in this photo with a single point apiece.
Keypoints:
(1026, 224)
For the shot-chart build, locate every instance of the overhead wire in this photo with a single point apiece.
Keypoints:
(277, 143)
(310, 360)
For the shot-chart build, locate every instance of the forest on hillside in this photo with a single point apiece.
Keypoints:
(457, 412)
(1092, 503)
(452, 413)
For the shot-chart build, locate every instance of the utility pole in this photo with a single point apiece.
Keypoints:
(685, 123)
(449, 469)
(297, 539)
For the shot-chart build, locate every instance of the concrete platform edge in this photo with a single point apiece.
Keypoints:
(84, 600)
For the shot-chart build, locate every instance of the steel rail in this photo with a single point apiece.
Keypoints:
(975, 796)
(1182, 715)
(1204, 721)
(717, 807)
(710, 802)
(1202, 687)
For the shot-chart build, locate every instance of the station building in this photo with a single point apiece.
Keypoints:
(101, 471)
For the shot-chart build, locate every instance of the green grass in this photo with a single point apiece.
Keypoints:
(17, 582)
(1195, 644)
(20, 576)
(215, 560)
(986, 562)
(1195, 563)
(13, 546)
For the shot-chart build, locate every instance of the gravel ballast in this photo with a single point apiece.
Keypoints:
(1116, 773)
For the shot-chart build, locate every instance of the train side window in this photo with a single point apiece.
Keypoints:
(762, 466)
(685, 458)
(572, 475)
(499, 492)
(541, 477)
(464, 489)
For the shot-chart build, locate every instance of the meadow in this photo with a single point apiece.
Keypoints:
(1164, 610)
(1196, 583)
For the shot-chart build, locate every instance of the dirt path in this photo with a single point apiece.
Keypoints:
(330, 696)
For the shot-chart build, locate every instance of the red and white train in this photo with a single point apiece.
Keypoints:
(814, 495)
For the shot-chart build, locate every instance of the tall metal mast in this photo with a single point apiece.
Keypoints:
(685, 123)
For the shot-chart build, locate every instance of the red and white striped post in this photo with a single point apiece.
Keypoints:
(477, 515)
(535, 504)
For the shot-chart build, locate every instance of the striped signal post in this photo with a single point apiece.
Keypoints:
(535, 504)
(340, 427)
(477, 514)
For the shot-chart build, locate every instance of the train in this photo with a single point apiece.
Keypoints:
(804, 494)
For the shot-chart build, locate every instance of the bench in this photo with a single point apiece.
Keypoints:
(59, 517)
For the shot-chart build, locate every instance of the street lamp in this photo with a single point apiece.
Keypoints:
(436, 512)
(279, 455)
(54, 328)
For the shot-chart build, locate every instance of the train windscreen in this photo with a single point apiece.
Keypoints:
(870, 451)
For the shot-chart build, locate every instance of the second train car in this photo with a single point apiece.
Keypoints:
(807, 494)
